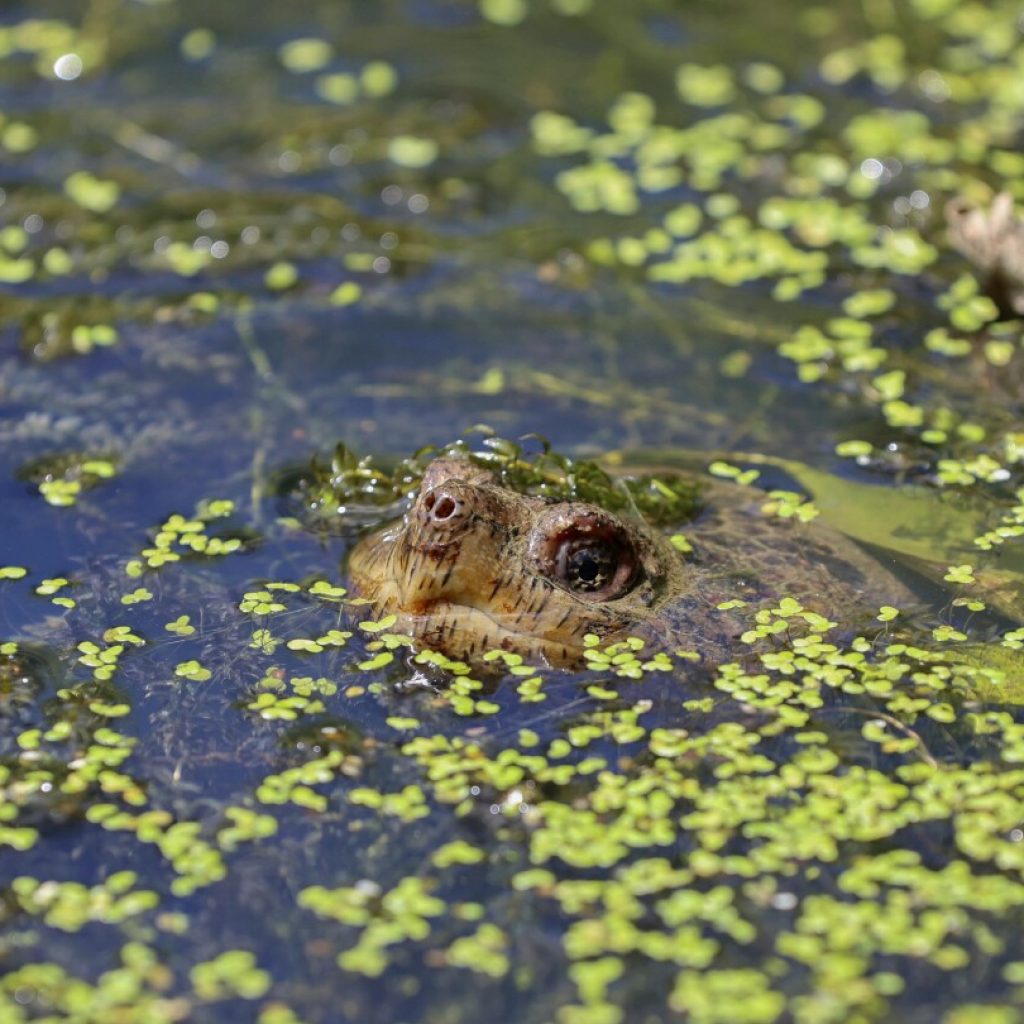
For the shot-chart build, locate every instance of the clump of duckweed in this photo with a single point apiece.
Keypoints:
(622, 658)
(181, 537)
(278, 699)
(63, 478)
(65, 328)
(138, 990)
(386, 918)
(69, 905)
(57, 756)
(295, 785)
(196, 862)
(484, 951)
(232, 973)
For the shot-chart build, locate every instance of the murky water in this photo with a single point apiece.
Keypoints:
(232, 235)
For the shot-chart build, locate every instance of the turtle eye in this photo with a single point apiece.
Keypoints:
(584, 565)
(587, 553)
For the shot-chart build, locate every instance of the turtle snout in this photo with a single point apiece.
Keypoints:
(444, 507)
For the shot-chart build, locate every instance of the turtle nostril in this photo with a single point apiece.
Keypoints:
(444, 508)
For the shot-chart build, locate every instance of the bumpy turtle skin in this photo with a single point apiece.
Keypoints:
(473, 581)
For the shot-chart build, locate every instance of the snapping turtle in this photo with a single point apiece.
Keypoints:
(475, 565)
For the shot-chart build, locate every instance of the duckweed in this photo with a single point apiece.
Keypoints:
(485, 951)
(387, 918)
(69, 905)
(232, 973)
(62, 479)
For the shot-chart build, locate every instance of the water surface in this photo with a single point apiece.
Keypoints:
(232, 235)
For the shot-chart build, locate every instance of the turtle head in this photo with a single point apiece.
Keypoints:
(475, 566)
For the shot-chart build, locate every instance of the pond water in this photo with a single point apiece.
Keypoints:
(233, 235)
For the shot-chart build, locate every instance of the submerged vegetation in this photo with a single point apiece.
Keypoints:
(231, 234)
(353, 487)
